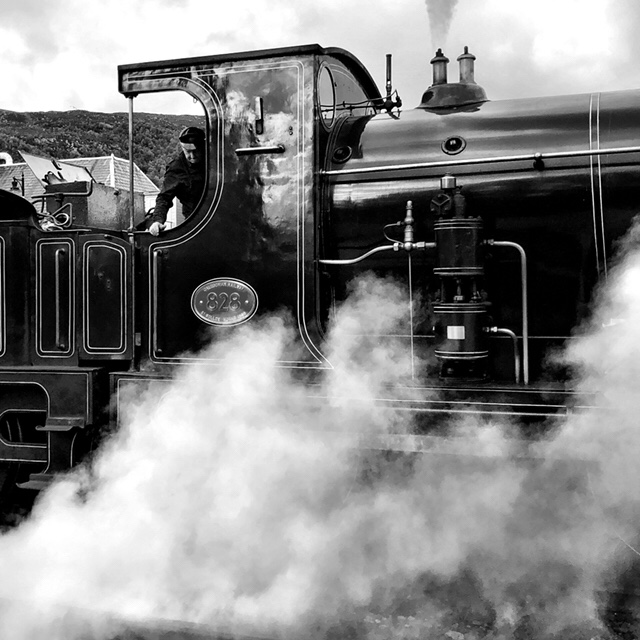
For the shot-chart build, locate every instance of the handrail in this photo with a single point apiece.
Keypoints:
(156, 266)
(537, 158)
(132, 204)
(58, 194)
(59, 256)
(525, 309)
(252, 151)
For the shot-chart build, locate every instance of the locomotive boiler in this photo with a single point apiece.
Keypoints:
(499, 218)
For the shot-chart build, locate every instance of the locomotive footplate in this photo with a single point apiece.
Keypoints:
(548, 401)
(488, 401)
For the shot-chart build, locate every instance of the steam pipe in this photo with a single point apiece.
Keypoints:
(396, 246)
(525, 310)
(408, 244)
(408, 224)
(386, 247)
(388, 85)
(62, 217)
(535, 157)
(516, 351)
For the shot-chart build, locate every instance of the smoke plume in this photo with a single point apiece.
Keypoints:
(440, 16)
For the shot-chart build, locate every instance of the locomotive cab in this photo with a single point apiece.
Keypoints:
(250, 246)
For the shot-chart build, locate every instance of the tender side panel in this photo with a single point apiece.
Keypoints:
(3, 301)
(55, 298)
(15, 282)
(76, 395)
(107, 329)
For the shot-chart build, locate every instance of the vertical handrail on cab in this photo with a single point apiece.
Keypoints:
(59, 256)
(131, 170)
(157, 261)
(132, 306)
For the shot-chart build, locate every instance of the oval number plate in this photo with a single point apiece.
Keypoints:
(224, 301)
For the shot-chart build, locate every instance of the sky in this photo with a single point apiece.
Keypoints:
(59, 56)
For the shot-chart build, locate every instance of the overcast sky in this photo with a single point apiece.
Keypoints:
(63, 55)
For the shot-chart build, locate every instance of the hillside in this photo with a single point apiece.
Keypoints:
(76, 134)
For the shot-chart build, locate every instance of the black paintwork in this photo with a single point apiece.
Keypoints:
(114, 306)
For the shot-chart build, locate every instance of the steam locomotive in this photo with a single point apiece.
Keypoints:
(498, 216)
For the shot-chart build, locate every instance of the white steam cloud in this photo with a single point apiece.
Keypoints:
(242, 500)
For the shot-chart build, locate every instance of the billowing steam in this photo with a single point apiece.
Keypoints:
(240, 499)
(440, 16)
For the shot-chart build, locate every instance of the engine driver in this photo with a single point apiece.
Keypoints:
(184, 178)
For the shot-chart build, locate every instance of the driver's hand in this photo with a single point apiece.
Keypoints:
(156, 228)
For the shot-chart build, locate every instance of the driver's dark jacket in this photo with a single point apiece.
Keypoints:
(181, 180)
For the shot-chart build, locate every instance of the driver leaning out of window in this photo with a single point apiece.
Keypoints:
(184, 179)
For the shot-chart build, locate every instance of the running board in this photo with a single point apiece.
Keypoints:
(62, 424)
(37, 481)
(58, 451)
